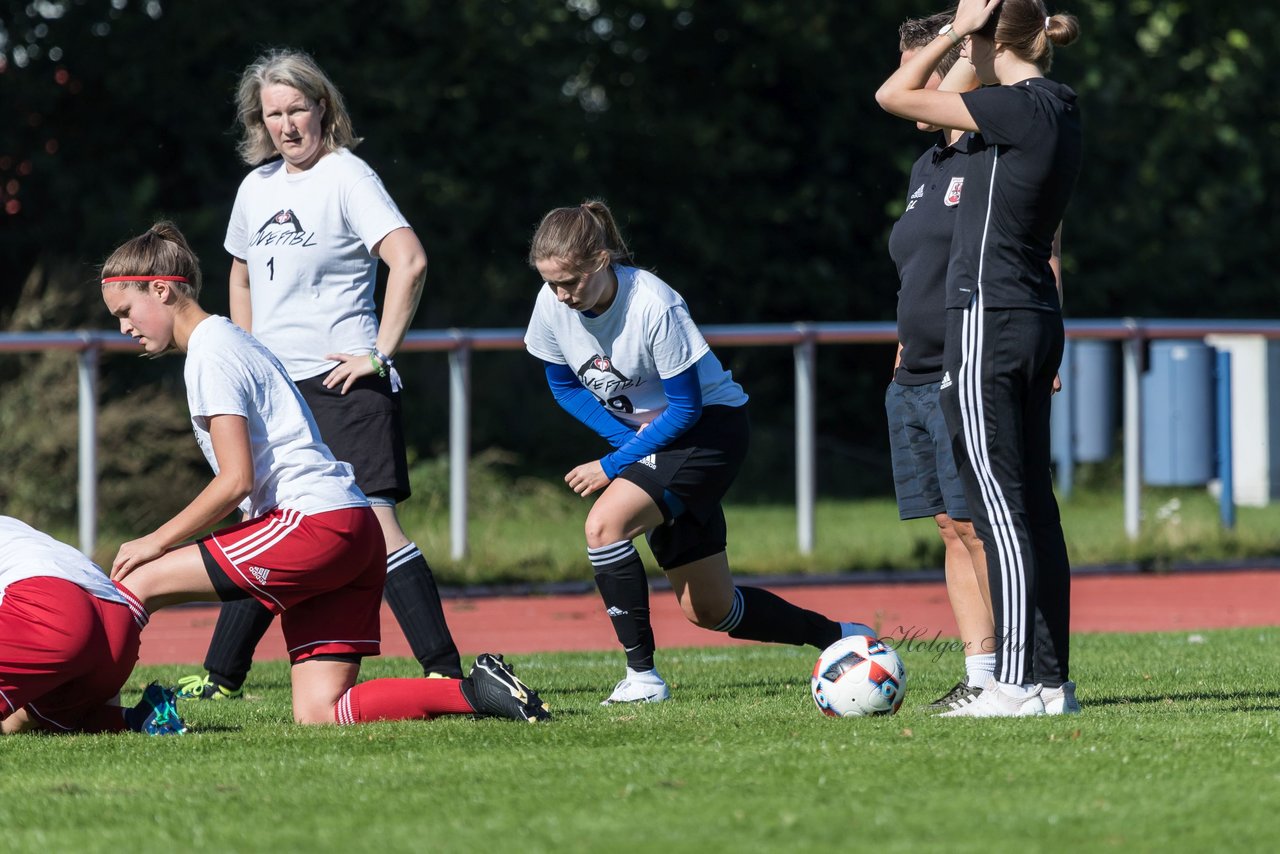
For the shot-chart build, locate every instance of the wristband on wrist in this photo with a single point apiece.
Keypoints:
(381, 362)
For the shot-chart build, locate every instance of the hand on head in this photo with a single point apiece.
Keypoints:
(972, 15)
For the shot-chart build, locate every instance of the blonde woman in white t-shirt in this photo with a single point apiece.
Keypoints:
(311, 549)
(623, 356)
(310, 224)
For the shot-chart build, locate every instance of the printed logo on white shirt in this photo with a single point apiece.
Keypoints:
(604, 379)
(283, 229)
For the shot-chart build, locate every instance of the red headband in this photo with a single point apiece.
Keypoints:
(111, 279)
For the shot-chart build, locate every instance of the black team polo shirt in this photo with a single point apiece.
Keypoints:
(1021, 170)
(920, 245)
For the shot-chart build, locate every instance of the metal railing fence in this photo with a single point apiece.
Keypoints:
(803, 338)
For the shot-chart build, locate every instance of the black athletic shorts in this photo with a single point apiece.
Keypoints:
(688, 480)
(363, 428)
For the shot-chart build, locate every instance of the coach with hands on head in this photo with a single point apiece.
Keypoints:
(1004, 335)
(926, 480)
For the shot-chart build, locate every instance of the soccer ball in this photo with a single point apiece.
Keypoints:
(858, 676)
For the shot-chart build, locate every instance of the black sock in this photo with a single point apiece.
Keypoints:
(134, 718)
(414, 599)
(241, 625)
(625, 590)
(759, 615)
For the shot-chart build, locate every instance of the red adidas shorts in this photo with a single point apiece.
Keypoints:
(64, 654)
(322, 573)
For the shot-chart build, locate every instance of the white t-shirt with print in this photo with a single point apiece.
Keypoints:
(28, 553)
(307, 238)
(229, 372)
(622, 355)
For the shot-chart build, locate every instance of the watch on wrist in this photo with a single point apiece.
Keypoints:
(950, 32)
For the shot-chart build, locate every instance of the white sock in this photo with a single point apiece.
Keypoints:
(1018, 692)
(851, 629)
(644, 676)
(980, 668)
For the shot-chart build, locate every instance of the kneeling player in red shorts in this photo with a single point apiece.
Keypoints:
(68, 641)
(311, 550)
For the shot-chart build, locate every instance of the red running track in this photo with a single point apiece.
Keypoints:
(523, 624)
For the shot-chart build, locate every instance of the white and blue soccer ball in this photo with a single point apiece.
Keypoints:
(857, 676)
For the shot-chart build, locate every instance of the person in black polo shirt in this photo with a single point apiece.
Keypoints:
(1004, 333)
(925, 475)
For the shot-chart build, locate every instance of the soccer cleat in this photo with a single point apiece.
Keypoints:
(639, 687)
(850, 629)
(493, 689)
(156, 713)
(995, 703)
(1061, 700)
(201, 687)
(961, 694)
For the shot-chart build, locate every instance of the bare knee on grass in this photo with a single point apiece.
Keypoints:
(17, 722)
(317, 687)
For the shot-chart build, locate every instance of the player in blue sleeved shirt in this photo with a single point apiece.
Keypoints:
(623, 356)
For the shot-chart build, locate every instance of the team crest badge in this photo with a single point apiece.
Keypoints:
(953, 192)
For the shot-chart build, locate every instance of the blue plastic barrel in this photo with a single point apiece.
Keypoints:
(1178, 414)
(1095, 372)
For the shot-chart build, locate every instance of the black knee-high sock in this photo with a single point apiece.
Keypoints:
(759, 615)
(625, 590)
(414, 599)
(241, 625)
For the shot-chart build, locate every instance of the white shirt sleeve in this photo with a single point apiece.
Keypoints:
(676, 342)
(237, 239)
(216, 387)
(540, 339)
(370, 212)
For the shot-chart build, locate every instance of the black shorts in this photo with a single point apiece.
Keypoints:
(363, 427)
(688, 480)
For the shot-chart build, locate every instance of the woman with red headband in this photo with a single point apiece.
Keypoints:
(311, 549)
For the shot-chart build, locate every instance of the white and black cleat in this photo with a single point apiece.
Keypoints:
(493, 689)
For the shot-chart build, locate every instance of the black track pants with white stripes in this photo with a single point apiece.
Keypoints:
(1001, 364)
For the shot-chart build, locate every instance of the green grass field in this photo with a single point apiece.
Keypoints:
(1175, 751)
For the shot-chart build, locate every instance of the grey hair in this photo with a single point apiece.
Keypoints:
(299, 71)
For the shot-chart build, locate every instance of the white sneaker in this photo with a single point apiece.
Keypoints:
(1061, 701)
(993, 702)
(645, 687)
